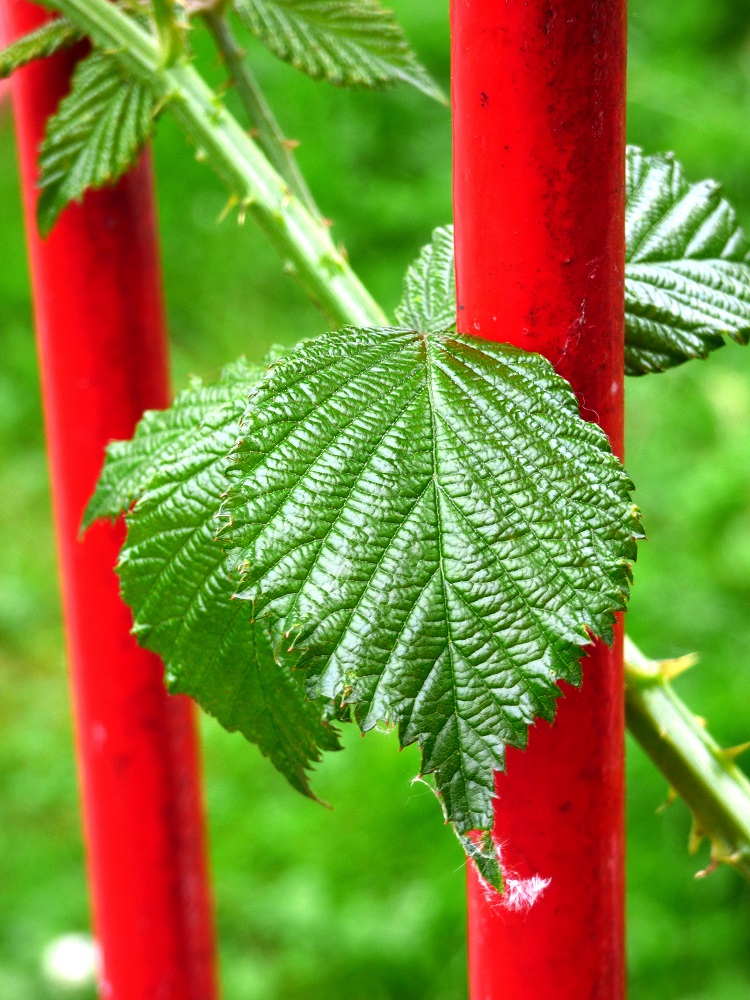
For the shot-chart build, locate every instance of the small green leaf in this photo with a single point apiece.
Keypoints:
(687, 279)
(45, 41)
(94, 137)
(174, 575)
(350, 43)
(434, 534)
(429, 299)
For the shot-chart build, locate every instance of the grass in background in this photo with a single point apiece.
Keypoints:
(367, 901)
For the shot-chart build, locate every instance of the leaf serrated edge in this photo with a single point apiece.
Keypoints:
(408, 71)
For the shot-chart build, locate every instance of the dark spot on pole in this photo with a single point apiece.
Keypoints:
(549, 17)
(484, 99)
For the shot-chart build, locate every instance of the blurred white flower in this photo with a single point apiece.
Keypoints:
(71, 961)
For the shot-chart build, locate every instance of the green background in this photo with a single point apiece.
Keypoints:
(367, 901)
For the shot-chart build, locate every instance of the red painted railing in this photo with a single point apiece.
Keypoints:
(538, 94)
(100, 331)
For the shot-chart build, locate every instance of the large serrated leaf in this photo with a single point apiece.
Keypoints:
(350, 43)
(45, 41)
(174, 575)
(94, 137)
(434, 534)
(687, 279)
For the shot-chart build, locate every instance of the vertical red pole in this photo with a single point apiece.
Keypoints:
(100, 331)
(538, 94)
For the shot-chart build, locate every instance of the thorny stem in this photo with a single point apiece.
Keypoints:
(270, 136)
(704, 774)
(302, 240)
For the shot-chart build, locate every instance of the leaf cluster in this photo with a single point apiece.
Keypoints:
(108, 116)
(399, 526)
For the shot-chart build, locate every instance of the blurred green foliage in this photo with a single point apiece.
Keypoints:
(367, 901)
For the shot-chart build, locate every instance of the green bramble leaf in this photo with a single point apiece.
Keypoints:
(429, 299)
(687, 276)
(433, 534)
(350, 43)
(94, 137)
(45, 41)
(687, 272)
(174, 575)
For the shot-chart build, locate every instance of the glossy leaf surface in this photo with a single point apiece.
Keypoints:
(687, 276)
(94, 137)
(174, 575)
(350, 43)
(429, 299)
(434, 534)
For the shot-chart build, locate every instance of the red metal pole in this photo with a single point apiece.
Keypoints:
(100, 329)
(538, 93)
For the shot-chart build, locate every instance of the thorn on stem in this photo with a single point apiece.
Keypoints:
(731, 754)
(231, 202)
(709, 869)
(696, 837)
(670, 669)
(672, 796)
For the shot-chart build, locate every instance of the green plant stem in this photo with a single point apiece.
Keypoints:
(261, 117)
(697, 768)
(302, 240)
